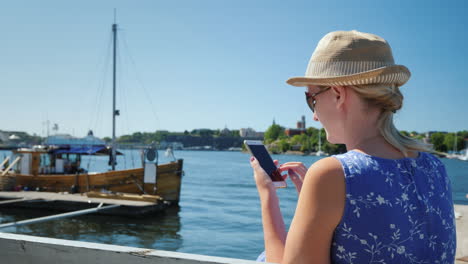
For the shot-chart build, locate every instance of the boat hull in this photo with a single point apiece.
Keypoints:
(168, 183)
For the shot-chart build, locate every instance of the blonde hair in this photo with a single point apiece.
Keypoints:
(389, 99)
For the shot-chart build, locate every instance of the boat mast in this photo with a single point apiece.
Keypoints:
(320, 140)
(114, 111)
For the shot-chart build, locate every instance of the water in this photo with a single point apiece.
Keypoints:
(219, 209)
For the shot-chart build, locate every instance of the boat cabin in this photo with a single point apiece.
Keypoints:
(56, 159)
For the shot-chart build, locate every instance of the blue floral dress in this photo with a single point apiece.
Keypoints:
(396, 211)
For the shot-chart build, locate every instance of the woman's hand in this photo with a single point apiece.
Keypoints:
(274, 230)
(262, 179)
(296, 172)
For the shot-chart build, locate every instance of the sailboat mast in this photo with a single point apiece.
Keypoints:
(114, 112)
(455, 143)
(320, 140)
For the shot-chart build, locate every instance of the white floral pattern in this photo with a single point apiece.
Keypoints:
(397, 211)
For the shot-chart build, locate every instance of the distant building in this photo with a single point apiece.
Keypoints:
(250, 133)
(173, 145)
(4, 137)
(293, 131)
(247, 132)
(65, 139)
(225, 132)
(300, 128)
(10, 136)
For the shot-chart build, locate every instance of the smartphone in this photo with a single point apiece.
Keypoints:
(258, 150)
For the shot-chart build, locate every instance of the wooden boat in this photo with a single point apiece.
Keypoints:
(167, 184)
(52, 168)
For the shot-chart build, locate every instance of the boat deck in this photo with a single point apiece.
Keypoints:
(71, 202)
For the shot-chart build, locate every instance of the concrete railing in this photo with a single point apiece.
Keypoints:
(19, 249)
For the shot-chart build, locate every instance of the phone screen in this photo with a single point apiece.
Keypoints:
(264, 158)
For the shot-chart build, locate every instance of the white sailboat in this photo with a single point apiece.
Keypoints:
(464, 157)
(454, 154)
(320, 153)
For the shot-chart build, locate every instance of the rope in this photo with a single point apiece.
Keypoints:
(146, 93)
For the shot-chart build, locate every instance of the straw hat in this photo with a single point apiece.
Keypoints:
(352, 58)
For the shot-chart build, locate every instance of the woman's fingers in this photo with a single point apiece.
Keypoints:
(298, 164)
(286, 167)
(296, 179)
(300, 169)
(296, 171)
(294, 176)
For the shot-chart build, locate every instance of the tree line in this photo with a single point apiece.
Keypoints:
(164, 135)
(279, 142)
(275, 137)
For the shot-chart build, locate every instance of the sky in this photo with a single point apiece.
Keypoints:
(184, 65)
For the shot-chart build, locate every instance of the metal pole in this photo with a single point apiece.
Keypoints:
(113, 158)
(58, 216)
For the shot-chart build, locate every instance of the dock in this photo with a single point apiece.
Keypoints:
(70, 202)
(23, 249)
(462, 234)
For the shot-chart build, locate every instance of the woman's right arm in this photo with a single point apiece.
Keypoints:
(319, 210)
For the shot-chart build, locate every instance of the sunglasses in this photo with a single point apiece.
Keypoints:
(310, 98)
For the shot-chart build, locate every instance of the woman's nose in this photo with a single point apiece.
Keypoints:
(315, 117)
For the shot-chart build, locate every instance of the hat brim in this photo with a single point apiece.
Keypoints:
(395, 74)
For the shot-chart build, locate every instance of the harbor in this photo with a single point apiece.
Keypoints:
(218, 200)
(124, 126)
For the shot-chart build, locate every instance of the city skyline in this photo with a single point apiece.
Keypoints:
(186, 65)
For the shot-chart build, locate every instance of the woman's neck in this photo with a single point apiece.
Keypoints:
(363, 134)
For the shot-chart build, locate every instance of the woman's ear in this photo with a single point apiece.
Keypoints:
(339, 93)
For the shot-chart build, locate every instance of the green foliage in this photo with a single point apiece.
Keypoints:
(273, 133)
(404, 133)
(463, 134)
(306, 147)
(308, 141)
(449, 142)
(283, 145)
(437, 139)
(235, 133)
(205, 132)
(275, 138)
(295, 140)
(312, 131)
(274, 148)
(333, 148)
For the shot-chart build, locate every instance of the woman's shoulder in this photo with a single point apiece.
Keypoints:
(326, 172)
(328, 164)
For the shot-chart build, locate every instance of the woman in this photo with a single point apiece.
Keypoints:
(384, 201)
